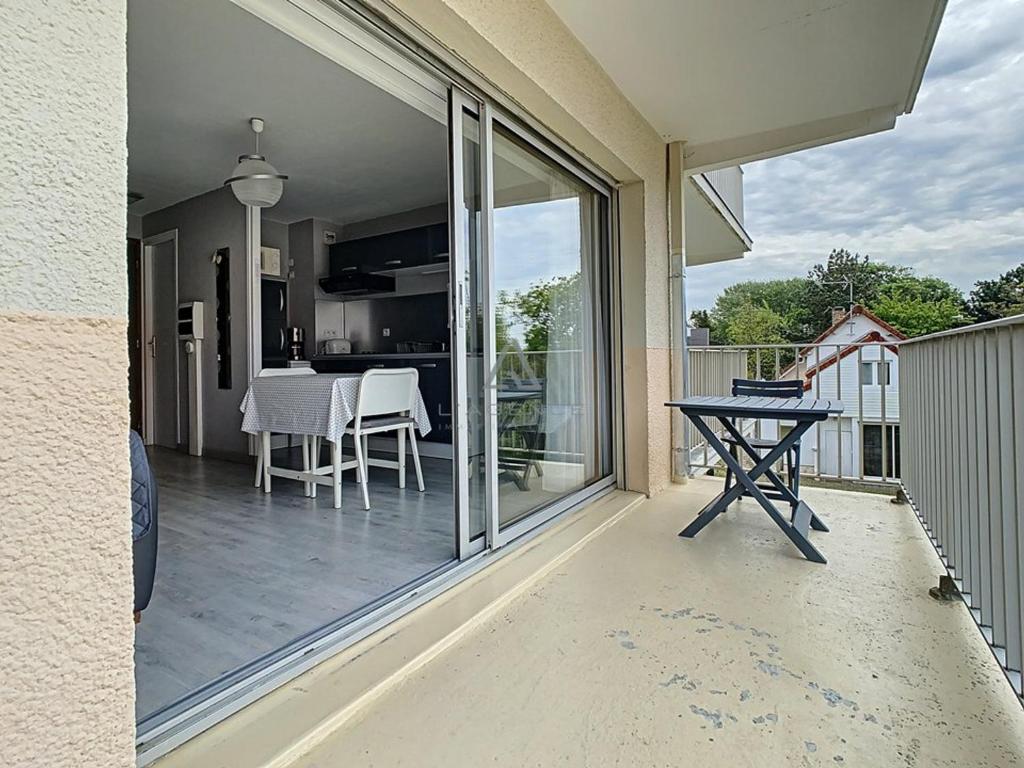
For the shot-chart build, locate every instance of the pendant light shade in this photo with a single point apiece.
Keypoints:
(254, 181)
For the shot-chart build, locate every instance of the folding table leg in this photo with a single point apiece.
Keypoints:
(748, 481)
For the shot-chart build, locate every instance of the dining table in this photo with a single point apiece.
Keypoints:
(316, 407)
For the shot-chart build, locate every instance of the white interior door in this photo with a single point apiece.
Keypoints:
(160, 381)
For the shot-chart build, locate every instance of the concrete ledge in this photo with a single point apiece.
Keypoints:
(280, 728)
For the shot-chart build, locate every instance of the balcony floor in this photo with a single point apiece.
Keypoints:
(647, 649)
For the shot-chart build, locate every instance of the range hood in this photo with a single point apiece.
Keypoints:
(357, 283)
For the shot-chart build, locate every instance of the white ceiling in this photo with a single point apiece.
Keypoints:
(198, 69)
(743, 79)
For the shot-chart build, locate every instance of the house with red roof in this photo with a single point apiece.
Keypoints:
(855, 360)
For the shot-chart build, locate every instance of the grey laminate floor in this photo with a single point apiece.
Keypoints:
(241, 573)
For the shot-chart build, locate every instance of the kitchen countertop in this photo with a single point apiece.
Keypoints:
(398, 355)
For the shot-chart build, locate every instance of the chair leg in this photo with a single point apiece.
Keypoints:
(795, 484)
(728, 472)
(336, 466)
(266, 462)
(361, 462)
(259, 461)
(416, 459)
(401, 458)
(305, 463)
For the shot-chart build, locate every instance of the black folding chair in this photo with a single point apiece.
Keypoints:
(753, 388)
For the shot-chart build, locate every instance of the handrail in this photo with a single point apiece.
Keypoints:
(999, 323)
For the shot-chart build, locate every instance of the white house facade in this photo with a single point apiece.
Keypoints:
(853, 361)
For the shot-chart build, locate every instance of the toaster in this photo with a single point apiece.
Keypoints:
(337, 347)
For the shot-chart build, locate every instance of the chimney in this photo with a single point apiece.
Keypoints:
(838, 313)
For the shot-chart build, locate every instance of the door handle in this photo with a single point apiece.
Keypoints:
(392, 263)
(282, 338)
(349, 269)
(461, 311)
(281, 307)
(152, 347)
(427, 365)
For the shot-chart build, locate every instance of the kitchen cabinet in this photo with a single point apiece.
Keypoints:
(395, 250)
(274, 322)
(435, 377)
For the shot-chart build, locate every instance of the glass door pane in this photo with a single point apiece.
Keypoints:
(467, 296)
(550, 345)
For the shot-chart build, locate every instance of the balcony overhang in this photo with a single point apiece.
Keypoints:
(740, 81)
(714, 232)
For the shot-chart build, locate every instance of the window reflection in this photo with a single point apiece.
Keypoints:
(547, 237)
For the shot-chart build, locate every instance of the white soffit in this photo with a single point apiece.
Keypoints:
(741, 80)
(711, 235)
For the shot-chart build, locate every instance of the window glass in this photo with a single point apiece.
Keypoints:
(867, 373)
(551, 351)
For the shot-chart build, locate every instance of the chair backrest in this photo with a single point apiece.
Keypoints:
(264, 372)
(753, 388)
(386, 391)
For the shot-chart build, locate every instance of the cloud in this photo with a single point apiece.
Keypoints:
(942, 193)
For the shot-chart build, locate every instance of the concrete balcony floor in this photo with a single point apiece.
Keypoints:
(644, 649)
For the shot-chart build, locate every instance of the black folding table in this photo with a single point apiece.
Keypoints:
(805, 412)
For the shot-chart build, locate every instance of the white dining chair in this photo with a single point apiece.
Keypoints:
(387, 399)
(265, 372)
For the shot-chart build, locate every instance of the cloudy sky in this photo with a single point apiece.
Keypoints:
(942, 193)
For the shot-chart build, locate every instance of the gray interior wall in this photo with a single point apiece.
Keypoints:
(311, 308)
(205, 224)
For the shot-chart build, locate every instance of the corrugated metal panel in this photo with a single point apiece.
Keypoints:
(962, 453)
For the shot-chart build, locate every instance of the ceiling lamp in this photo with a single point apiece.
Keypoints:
(256, 182)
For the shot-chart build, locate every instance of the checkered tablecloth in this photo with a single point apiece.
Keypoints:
(323, 405)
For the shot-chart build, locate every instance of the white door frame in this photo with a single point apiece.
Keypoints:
(148, 369)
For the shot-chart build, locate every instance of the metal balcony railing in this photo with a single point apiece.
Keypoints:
(862, 444)
(963, 468)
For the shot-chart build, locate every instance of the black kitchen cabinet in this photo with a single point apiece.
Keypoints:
(394, 250)
(435, 384)
(274, 322)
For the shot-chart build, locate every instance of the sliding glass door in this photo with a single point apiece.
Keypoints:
(469, 318)
(530, 291)
(549, 257)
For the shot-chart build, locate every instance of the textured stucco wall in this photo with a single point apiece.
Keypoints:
(524, 49)
(65, 558)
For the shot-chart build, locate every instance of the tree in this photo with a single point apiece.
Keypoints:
(545, 309)
(916, 306)
(1002, 297)
(700, 318)
(829, 284)
(786, 298)
(758, 324)
(802, 307)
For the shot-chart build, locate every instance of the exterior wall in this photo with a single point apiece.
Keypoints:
(525, 50)
(65, 558)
